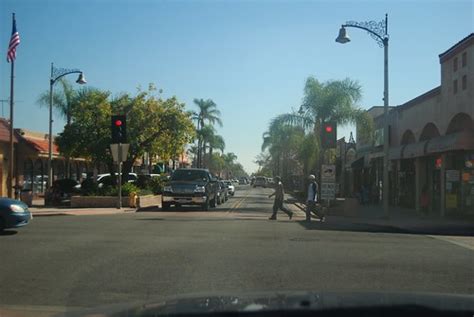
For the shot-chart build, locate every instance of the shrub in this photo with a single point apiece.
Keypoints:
(89, 187)
(127, 188)
(156, 184)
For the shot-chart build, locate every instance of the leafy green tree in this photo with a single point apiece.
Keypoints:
(157, 126)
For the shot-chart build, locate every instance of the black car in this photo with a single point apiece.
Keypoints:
(223, 193)
(190, 186)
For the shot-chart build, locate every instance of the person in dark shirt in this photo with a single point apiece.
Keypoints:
(279, 198)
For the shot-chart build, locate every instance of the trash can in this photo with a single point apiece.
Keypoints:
(26, 196)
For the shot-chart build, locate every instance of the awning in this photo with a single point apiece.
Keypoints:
(414, 150)
(375, 155)
(358, 163)
(395, 153)
(451, 142)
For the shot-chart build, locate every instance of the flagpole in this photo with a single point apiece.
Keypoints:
(10, 171)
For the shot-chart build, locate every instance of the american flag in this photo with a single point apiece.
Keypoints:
(14, 41)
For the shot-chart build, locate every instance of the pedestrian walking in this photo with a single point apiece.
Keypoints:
(279, 194)
(312, 199)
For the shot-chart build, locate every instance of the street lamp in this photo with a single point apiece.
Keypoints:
(379, 32)
(57, 73)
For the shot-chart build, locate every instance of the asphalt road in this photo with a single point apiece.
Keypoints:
(84, 261)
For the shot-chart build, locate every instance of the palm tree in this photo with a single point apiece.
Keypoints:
(63, 100)
(283, 144)
(326, 101)
(209, 113)
(205, 134)
(216, 142)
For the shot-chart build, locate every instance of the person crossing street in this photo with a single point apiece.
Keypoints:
(279, 198)
(312, 199)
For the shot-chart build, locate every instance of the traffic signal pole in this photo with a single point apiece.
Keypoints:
(119, 205)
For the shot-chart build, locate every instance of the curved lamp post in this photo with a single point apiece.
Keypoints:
(57, 73)
(379, 32)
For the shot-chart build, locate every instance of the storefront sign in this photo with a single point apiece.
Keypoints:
(451, 201)
(452, 176)
(449, 186)
(378, 137)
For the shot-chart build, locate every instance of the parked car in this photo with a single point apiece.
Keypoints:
(106, 179)
(61, 191)
(13, 213)
(243, 181)
(260, 181)
(230, 187)
(223, 193)
(190, 186)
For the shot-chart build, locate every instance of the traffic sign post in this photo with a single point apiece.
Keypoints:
(328, 182)
(119, 154)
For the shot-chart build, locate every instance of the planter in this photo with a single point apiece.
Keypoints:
(98, 201)
(149, 201)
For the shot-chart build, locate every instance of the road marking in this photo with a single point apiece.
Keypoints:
(239, 202)
(465, 242)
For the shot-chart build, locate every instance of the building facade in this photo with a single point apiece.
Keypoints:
(431, 141)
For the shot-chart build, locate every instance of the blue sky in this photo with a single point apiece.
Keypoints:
(251, 57)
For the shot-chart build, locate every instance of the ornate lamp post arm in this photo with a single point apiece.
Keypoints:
(56, 74)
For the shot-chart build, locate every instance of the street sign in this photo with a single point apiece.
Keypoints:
(328, 173)
(328, 191)
(114, 148)
(328, 182)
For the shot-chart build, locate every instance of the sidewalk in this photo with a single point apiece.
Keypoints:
(407, 220)
(53, 211)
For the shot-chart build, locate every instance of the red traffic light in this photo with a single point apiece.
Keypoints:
(328, 129)
(118, 123)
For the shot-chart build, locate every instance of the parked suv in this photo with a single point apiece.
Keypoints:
(190, 186)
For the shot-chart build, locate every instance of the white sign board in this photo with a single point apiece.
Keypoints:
(328, 191)
(328, 182)
(328, 173)
(114, 148)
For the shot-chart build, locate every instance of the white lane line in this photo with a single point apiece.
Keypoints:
(465, 242)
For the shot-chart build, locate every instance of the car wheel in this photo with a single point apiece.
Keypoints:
(2, 224)
(165, 206)
(213, 202)
(205, 206)
(177, 206)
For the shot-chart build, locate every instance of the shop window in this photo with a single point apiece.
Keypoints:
(455, 64)
(455, 86)
(464, 59)
(464, 82)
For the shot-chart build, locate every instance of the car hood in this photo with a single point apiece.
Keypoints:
(283, 301)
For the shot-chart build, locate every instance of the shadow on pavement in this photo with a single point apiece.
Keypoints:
(345, 225)
(8, 232)
(152, 219)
